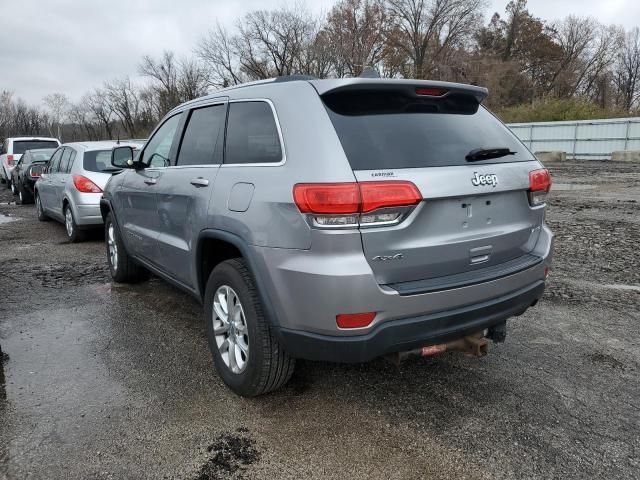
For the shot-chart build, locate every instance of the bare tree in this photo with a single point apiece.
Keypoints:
(57, 104)
(124, 100)
(357, 31)
(627, 71)
(102, 110)
(427, 30)
(217, 51)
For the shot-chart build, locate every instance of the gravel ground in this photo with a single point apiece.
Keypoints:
(108, 381)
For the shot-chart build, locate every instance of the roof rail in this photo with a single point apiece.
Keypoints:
(294, 77)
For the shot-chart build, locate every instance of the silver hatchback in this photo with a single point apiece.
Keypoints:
(71, 187)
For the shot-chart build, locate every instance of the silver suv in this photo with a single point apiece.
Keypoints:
(335, 220)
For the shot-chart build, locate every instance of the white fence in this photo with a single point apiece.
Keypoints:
(583, 139)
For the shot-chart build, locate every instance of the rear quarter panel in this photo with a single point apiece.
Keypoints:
(313, 153)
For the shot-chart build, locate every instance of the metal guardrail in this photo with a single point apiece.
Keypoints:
(582, 139)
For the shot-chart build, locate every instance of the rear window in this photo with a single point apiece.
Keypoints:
(98, 161)
(385, 130)
(252, 134)
(21, 146)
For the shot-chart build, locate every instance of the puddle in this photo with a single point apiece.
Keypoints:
(572, 186)
(6, 219)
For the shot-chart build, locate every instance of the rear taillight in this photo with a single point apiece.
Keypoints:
(539, 186)
(352, 204)
(84, 185)
(10, 160)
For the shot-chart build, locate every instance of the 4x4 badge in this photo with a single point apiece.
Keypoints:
(488, 179)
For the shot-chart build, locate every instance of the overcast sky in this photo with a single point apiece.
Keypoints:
(72, 46)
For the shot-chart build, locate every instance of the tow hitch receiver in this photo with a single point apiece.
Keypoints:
(475, 345)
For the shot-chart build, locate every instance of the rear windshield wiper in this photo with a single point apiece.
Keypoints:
(487, 153)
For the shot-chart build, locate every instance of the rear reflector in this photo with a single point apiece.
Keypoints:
(352, 198)
(431, 92)
(355, 320)
(84, 185)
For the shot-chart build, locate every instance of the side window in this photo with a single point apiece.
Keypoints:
(71, 159)
(202, 135)
(156, 153)
(64, 161)
(252, 135)
(54, 163)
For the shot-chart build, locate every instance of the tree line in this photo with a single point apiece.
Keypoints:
(535, 69)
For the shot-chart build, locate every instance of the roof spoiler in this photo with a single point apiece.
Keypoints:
(324, 87)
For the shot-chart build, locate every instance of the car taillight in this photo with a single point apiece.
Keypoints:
(355, 320)
(539, 186)
(430, 91)
(84, 185)
(10, 160)
(356, 203)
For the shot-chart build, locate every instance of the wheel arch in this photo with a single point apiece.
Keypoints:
(232, 246)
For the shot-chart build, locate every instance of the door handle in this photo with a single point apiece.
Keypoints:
(199, 182)
(151, 181)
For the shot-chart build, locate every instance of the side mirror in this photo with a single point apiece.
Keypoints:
(122, 157)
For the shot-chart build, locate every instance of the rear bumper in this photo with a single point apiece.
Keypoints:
(86, 208)
(409, 333)
(307, 289)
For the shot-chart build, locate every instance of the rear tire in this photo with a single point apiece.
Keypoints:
(251, 362)
(39, 210)
(74, 233)
(24, 197)
(122, 266)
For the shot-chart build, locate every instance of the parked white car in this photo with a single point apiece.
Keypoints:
(14, 147)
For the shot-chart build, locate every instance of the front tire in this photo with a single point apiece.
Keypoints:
(245, 350)
(122, 266)
(74, 233)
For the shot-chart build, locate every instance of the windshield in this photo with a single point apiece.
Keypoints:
(38, 156)
(380, 131)
(21, 146)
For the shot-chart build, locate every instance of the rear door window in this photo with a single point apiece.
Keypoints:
(54, 164)
(252, 134)
(64, 161)
(383, 130)
(21, 146)
(203, 136)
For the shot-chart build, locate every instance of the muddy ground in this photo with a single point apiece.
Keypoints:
(108, 381)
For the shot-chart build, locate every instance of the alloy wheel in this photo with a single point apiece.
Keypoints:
(112, 247)
(68, 221)
(230, 329)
